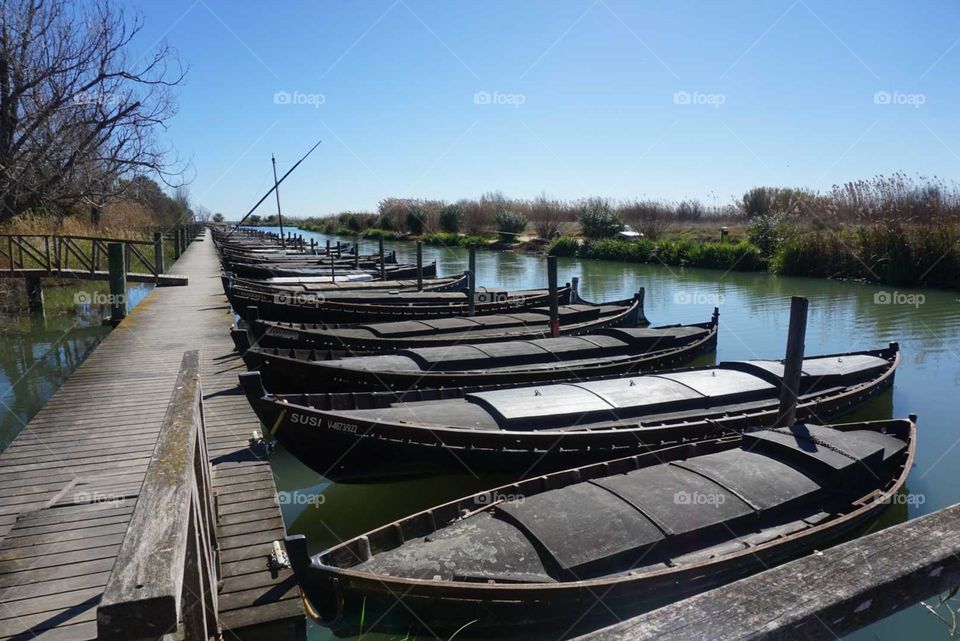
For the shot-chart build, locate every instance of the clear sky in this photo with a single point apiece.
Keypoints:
(450, 98)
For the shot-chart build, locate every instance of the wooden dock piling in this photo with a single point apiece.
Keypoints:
(472, 281)
(552, 296)
(383, 265)
(793, 363)
(118, 282)
(419, 266)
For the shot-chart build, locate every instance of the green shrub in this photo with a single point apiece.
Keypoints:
(737, 256)
(443, 239)
(388, 222)
(510, 224)
(450, 216)
(375, 233)
(563, 246)
(416, 220)
(598, 220)
(474, 241)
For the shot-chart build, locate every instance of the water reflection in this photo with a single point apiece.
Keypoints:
(39, 352)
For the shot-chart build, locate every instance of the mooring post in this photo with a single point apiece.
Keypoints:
(472, 281)
(158, 252)
(338, 249)
(793, 363)
(383, 265)
(118, 282)
(356, 252)
(419, 266)
(723, 234)
(35, 295)
(554, 302)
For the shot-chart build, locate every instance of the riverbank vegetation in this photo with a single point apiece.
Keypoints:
(895, 229)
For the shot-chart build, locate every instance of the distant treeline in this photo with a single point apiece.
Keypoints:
(896, 229)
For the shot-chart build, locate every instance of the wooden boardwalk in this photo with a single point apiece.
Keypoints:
(69, 482)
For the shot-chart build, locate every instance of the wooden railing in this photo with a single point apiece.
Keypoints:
(56, 254)
(166, 575)
(820, 597)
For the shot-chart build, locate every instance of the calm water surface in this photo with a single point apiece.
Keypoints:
(36, 356)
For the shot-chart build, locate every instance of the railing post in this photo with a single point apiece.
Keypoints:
(158, 252)
(793, 363)
(118, 282)
(176, 243)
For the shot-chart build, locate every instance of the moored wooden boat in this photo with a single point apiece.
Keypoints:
(272, 270)
(533, 429)
(533, 558)
(575, 320)
(363, 306)
(608, 352)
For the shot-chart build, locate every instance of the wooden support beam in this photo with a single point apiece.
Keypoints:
(118, 281)
(552, 296)
(419, 266)
(793, 363)
(820, 597)
(472, 281)
(158, 253)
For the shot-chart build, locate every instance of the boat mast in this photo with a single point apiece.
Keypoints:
(276, 187)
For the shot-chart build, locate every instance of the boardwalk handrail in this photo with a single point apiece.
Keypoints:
(823, 596)
(166, 574)
(53, 253)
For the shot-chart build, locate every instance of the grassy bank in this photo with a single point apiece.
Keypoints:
(907, 256)
(740, 256)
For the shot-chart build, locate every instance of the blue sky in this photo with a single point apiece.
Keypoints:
(448, 99)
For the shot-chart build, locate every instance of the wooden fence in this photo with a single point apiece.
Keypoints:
(51, 255)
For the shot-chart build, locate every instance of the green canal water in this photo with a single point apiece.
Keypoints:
(754, 312)
(39, 352)
(37, 355)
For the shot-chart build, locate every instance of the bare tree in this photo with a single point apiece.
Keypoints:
(78, 113)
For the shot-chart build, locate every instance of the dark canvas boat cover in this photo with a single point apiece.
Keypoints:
(776, 481)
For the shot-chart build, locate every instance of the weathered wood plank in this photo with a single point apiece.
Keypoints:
(144, 591)
(823, 596)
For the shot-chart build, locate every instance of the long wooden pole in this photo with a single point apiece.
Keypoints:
(276, 189)
(793, 363)
(271, 190)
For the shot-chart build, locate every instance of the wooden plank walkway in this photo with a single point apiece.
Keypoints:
(70, 480)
